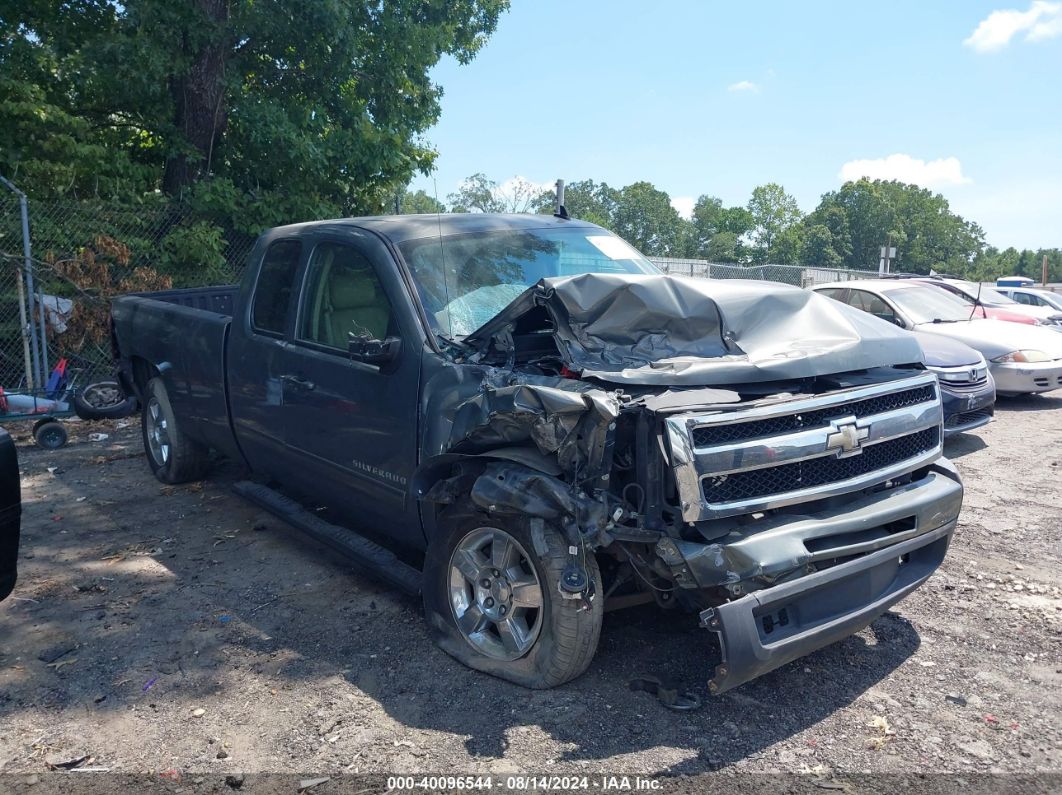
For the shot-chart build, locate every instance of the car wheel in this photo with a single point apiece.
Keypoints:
(172, 456)
(492, 599)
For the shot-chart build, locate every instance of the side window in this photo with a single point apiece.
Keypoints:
(272, 294)
(857, 298)
(836, 293)
(343, 297)
(875, 306)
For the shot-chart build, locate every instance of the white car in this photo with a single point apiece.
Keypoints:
(1032, 296)
(1023, 359)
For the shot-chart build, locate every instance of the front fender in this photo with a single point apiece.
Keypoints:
(440, 467)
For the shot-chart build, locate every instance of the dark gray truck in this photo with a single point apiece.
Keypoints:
(521, 419)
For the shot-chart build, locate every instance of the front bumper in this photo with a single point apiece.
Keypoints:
(964, 411)
(890, 543)
(1023, 378)
(819, 609)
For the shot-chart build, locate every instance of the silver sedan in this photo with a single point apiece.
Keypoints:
(1023, 359)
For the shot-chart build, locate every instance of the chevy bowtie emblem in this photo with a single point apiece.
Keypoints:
(846, 438)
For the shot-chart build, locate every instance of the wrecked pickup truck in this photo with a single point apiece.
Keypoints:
(520, 418)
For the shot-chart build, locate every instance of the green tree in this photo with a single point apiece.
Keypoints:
(724, 247)
(294, 109)
(478, 194)
(587, 200)
(788, 246)
(421, 202)
(645, 218)
(819, 248)
(773, 213)
(865, 215)
(706, 217)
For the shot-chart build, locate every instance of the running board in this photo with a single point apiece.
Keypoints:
(370, 557)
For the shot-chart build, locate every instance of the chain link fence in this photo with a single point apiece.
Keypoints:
(81, 254)
(797, 275)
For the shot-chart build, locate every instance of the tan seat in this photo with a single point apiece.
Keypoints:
(354, 304)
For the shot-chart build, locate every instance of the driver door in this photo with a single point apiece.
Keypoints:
(353, 426)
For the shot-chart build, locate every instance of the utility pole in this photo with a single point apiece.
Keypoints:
(1044, 274)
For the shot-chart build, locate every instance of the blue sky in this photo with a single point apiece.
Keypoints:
(712, 97)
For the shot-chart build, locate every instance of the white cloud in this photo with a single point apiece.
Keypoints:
(928, 174)
(1042, 21)
(684, 205)
(744, 85)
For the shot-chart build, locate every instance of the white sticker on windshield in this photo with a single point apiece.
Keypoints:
(613, 247)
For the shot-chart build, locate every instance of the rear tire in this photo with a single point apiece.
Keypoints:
(554, 643)
(172, 456)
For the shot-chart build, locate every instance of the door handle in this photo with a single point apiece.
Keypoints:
(298, 382)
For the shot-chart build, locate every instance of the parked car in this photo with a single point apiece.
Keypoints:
(1031, 296)
(996, 304)
(1022, 359)
(10, 514)
(521, 418)
(976, 309)
(966, 385)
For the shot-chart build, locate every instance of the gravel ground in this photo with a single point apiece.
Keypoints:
(159, 629)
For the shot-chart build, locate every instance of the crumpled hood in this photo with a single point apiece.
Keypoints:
(675, 330)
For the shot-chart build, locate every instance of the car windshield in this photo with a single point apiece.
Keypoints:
(465, 280)
(929, 304)
(986, 296)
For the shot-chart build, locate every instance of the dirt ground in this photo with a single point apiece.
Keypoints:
(181, 629)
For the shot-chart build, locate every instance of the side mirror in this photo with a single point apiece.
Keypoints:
(372, 351)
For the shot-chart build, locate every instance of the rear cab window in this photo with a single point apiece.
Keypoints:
(276, 281)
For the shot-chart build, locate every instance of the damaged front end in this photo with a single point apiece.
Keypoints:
(780, 472)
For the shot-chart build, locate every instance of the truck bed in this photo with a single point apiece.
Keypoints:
(219, 300)
(181, 336)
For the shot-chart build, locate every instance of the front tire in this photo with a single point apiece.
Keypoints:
(172, 456)
(492, 600)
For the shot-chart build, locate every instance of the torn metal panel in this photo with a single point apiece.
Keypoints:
(510, 488)
(560, 417)
(673, 330)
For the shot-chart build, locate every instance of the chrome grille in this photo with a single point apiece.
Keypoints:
(719, 434)
(740, 461)
(965, 378)
(965, 386)
(817, 471)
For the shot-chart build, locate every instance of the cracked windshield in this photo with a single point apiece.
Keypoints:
(465, 280)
